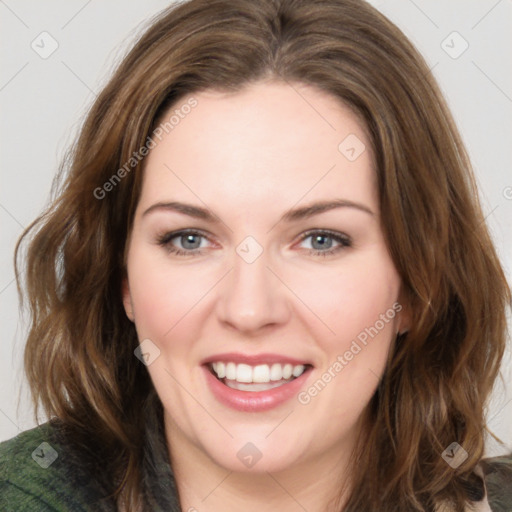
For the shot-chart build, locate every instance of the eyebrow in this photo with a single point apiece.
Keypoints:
(292, 215)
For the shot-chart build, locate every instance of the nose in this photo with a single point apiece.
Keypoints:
(252, 297)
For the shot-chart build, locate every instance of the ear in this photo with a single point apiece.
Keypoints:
(127, 299)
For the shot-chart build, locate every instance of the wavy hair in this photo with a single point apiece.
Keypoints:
(79, 356)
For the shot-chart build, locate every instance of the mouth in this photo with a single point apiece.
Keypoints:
(255, 383)
(262, 377)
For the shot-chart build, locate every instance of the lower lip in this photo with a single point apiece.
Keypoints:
(254, 401)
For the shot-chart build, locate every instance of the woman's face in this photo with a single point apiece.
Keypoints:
(268, 281)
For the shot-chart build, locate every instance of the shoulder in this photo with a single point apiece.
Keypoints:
(489, 487)
(40, 471)
(497, 474)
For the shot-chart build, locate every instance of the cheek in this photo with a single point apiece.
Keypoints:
(353, 300)
(162, 295)
(360, 307)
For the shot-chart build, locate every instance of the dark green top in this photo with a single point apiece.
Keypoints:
(35, 475)
(42, 471)
(38, 473)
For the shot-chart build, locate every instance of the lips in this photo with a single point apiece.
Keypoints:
(253, 383)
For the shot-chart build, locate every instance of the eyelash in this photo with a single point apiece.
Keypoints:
(165, 239)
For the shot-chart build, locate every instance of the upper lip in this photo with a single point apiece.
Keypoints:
(254, 359)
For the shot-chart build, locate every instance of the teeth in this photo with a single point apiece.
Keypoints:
(221, 370)
(276, 372)
(254, 387)
(287, 371)
(231, 371)
(298, 370)
(262, 373)
(243, 373)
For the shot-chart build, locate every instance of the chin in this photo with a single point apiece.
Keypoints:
(258, 456)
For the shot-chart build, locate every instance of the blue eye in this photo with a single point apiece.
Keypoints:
(190, 240)
(322, 242)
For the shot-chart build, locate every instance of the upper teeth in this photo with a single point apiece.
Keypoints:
(259, 373)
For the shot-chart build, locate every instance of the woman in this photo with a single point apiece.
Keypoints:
(329, 338)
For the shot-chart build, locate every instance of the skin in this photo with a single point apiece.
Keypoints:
(249, 157)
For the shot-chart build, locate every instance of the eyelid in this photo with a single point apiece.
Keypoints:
(186, 231)
(344, 241)
(164, 239)
(334, 234)
(166, 236)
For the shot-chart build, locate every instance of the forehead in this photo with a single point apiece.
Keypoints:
(271, 143)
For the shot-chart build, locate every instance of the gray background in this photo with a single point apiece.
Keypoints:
(43, 102)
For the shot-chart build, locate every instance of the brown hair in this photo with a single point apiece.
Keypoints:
(79, 356)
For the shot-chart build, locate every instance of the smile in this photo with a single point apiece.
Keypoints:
(254, 385)
(256, 378)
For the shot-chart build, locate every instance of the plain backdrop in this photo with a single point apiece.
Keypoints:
(56, 55)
